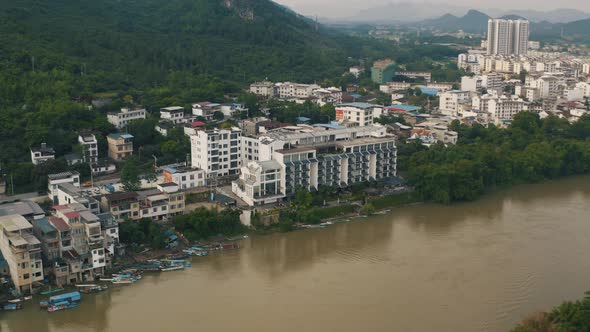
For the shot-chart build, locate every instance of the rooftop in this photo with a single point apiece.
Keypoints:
(44, 226)
(14, 223)
(358, 105)
(22, 208)
(121, 196)
(120, 135)
(63, 175)
(59, 224)
(172, 109)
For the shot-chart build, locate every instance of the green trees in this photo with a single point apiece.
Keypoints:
(530, 150)
(130, 175)
(567, 317)
(145, 231)
(202, 223)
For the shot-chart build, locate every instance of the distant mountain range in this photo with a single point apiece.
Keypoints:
(476, 22)
(406, 12)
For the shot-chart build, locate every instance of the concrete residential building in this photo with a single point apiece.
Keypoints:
(450, 101)
(68, 193)
(174, 114)
(22, 251)
(120, 146)
(295, 90)
(27, 209)
(87, 243)
(265, 89)
(205, 109)
(121, 119)
(217, 151)
(89, 146)
(121, 205)
(42, 154)
(185, 177)
(361, 114)
(383, 71)
(54, 180)
(507, 37)
(427, 76)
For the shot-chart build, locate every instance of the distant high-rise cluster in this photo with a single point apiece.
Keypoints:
(507, 37)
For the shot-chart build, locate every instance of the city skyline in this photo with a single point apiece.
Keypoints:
(347, 8)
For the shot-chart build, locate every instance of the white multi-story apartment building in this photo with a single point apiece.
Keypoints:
(121, 119)
(90, 147)
(54, 180)
(295, 90)
(471, 84)
(450, 101)
(205, 109)
(585, 87)
(174, 114)
(265, 89)
(217, 151)
(42, 154)
(507, 37)
(22, 251)
(499, 108)
(359, 113)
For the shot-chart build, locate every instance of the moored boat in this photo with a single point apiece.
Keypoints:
(52, 291)
(172, 268)
(89, 289)
(61, 302)
(10, 306)
(64, 305)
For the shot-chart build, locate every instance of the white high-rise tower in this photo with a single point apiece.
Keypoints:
(507, 37)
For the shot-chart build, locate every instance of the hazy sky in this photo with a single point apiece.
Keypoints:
(340, 8)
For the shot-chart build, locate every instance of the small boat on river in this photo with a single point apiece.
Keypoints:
(52, 291)
(172, 268)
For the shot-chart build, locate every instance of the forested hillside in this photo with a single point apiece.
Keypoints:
(54, 54)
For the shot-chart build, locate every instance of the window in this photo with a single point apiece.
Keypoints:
(26, 276)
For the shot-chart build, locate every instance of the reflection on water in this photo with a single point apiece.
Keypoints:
(468, 267)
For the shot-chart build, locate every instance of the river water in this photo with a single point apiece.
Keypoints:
(478, 266)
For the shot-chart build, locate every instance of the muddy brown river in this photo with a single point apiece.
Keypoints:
(478, 266)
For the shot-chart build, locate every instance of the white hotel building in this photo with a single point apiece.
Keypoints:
(311, 157)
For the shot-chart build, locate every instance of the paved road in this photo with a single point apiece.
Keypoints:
(27, 196)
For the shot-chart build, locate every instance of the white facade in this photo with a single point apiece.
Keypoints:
(357, 160)
(174, 114)
(184, 177)
(450, 101)
(471, 84)
(295, 90)
(359, 113)
(121, 119)
(42, 154)
(90, 146)
(54, 180)
(265, 89)
(507, 37)
(217, 152)
(259, 183)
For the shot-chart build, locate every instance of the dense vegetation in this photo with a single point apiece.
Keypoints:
(202, 223)
(145, 231)
(567, 317)
(528, 151)
(56, 57)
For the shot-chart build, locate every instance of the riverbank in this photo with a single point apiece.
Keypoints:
(499, 258)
